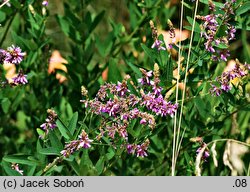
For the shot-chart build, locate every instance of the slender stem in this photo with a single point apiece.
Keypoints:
(49, 166)
(232, 140)
(185, 81)
(177, 90)
(179, 144)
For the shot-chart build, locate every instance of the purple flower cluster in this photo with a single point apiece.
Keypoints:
(214, 44)
(205, 154)
(158, 44)
(119, 106)
(12, 55)
(225, 79)
(83, 141)
(20, 79)
(140, 150)
(171, 34)
(50, 122)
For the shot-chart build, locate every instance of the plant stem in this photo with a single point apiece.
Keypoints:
(50, 165)
(184, 87)
(177, 90)
(232, 140)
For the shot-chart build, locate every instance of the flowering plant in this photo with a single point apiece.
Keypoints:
(124, 88)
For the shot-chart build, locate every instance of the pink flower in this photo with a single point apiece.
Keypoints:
(84, 141)
(14, 55)
(158, 45)
(15, 166)
(20, 79)
(45, 3)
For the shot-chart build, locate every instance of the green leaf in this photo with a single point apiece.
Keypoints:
(200, 105)
(221, 46)
(110, 154)
(75, 167)
(243, 9)
(165, 65)
(200, 62)
(41, 133)
(16, 3)
(187, 5)
(5, 105)
(73, 122)
(40, 156)
(114, 73)
(118, 30)
(100, 165)
(65, 26)
(104, 47)
(152, 54)
(64, 130)
(54, 140)
(134, 15)
(2, 16)
(196, 25)
(96, 21)
(133, 67)
(55, 169)
(85, 160)
(34, 25)
(21, 159)
(28, 44)
(18, 99)
(7, 168)
(31, 171)
(217, 4)
(85, 163)
(49, 151)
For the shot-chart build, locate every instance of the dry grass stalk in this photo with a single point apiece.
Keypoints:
(214, 154)
(226, 156)
(232, 157)
(198, 161)
(237, 150)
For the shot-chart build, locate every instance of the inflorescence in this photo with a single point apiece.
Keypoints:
(83, 141)
(215, 44)
(119, 106)
(14, 55)
(158, 44)
(226, 78)
(50, 122)
(206, 152)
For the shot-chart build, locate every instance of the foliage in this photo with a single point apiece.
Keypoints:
(99, 43)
